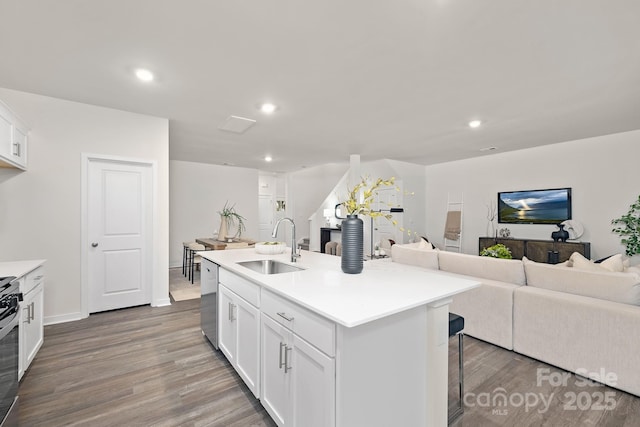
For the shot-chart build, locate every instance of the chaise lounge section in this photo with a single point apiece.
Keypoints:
(580, 319)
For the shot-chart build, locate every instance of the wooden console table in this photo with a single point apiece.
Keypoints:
(538, 250)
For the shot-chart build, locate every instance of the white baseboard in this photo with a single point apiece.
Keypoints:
(161, 302)
(62, 318)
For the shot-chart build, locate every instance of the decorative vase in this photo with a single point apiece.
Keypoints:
(491, 231)
(352, 244)
(222, 233)
(561, 235)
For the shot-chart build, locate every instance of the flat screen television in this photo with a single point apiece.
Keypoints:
(535, 206)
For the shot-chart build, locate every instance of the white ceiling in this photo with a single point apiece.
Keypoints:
(393, 79)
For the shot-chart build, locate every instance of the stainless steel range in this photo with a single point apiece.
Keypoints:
(10, 298)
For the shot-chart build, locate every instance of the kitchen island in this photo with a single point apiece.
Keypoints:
(320, 347)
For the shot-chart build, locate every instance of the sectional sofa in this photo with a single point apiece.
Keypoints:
(583, 318)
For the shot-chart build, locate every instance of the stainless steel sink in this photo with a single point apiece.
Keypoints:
(269, 266)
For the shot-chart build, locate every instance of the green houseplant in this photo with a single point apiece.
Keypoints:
(229, 219)
(497, 251)
(628, 227)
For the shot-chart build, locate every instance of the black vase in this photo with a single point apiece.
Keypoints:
(352, 244)
(561, 235)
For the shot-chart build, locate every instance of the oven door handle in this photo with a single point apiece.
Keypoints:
(7, 325)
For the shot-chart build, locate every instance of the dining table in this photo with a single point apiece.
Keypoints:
(212, 244)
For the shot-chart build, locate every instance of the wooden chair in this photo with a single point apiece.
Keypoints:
(186, 261)
(194, 259)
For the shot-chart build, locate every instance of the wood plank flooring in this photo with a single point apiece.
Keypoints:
(148, 366)
(141, 366)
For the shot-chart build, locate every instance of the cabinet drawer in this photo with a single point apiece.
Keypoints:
(241, 286)
(33, 279)
(316, 329)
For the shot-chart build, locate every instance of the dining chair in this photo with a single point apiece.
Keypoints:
(195, 259)
(186, 260)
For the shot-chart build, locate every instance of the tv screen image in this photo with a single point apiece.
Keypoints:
(534, 206)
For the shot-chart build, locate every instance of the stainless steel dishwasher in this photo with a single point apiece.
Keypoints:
(209, 301)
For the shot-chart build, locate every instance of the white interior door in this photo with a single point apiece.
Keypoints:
(119, 234)
(265, 215)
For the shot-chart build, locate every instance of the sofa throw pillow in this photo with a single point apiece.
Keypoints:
(425, 244)
(613, 263)
(580, 262)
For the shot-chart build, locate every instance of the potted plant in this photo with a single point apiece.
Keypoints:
(497, 251)
(628, 227)
(229, 219)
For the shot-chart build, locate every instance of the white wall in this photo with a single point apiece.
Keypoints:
(198, 192)
(306, 191)
(40, 208)
(411, 177)
(602, 171)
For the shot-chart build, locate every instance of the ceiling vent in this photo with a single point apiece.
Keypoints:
(237, 124)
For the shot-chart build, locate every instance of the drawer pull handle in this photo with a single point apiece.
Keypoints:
(287, 368)
(281, 363)
(285, 317)
(231, 307)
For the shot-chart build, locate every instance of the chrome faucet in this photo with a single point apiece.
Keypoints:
(294, 251)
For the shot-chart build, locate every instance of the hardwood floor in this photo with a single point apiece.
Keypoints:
(491, 372)
(148, 366)
(141, 366)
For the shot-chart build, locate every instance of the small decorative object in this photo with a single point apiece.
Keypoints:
(376, 251)
(497, 251)
(328, 213)
(561, 235)
(574, 228)
(228, 219)
(491, 216)
(505, 232)
(353, 227)
(628, 227)
(270, 248)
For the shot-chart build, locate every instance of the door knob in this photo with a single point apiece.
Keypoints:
(94, 245)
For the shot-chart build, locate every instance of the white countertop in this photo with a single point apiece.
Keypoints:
(382, 289)
(19, 268)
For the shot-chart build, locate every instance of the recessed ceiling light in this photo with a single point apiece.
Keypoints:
(268, 108)
(144, 75)
(267, 158)
(475, 123)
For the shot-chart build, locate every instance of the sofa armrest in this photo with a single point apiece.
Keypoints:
(487, 310)
(413, 255)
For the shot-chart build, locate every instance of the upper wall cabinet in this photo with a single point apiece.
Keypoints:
(13, 140)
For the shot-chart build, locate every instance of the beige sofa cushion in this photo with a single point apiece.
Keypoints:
(611, 286)
(575, 332)
(493, 325)
(415, 254)
(503, 270)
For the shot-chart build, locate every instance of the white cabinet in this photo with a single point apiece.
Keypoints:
(31, 318)
(13, 140)
(298, 380)
(239, 327)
